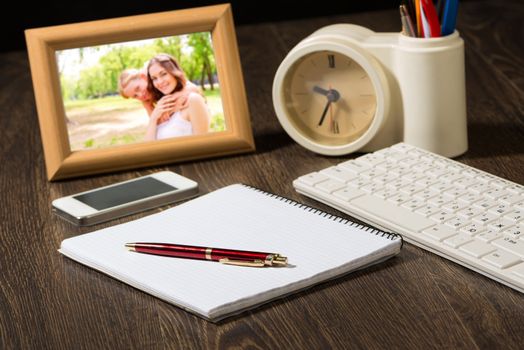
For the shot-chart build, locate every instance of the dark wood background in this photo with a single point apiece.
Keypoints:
(416, 300)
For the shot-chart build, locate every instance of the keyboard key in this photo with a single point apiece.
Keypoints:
(354, 166)
(515, 215)
(313, 179)
(339, 174)
(470, 197)
(371, 173)
(515, 246)
(495, 193)
(472, 229)
(441, 186)
(455, 192)
(485, 218)
(479, 188)
(457, 222)
(488, 235)
(458, 240)
(514, 231)
(516, 189)
(477, 248)
(498, 183)
(402, 147)
(413, 204)
(442, 216)
(439, 200)
(392, 213)
(348, 194)
(500, 224)
(485, 204)
(422, 167)
(465, 182)
(411, 189)
(358, 182)
(439, 233)
(399, 199)
(500, 209)
(501, 259)
(370, 160)
(469, 212)
(454, 206)
(437, 172)
(426, 194)
(385, 194)
(511, 199)
(427, 210)
(385, 178)
(518, 270)
(371, 187)
(330, 186)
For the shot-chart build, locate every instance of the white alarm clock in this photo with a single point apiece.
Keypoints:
(346, 88)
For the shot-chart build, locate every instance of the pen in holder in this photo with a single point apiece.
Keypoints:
(418, 86)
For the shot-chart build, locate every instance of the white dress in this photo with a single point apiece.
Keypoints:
(174, 127)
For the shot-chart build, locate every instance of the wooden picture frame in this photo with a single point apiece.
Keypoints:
(61, 162)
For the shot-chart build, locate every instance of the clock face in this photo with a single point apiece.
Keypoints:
(329, 98)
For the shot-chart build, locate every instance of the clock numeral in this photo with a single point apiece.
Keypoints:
(331, 61)
(334, 127)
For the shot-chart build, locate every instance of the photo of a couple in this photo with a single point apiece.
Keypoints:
(121, 96)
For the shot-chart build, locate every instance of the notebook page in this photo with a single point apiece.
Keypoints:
(236, 217)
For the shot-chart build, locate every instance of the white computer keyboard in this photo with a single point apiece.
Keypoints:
(461, 213)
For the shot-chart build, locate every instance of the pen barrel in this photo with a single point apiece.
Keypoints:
(201, 253)
(217, 254)
(173, 250)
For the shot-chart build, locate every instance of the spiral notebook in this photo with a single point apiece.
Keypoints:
(319, 247)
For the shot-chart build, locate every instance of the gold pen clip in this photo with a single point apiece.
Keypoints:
(271, 260)
(250, 263)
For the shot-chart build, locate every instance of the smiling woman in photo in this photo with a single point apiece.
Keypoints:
(165, 77)
(133, 83)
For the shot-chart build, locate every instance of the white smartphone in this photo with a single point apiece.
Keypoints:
(124, 198)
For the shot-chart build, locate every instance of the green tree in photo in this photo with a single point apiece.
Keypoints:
(203, 57)
(172, 46)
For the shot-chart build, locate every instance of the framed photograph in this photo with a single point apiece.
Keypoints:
(139, 91)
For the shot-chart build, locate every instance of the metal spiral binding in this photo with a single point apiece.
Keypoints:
(388, 235)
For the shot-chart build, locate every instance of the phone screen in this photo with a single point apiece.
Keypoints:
(124, 193)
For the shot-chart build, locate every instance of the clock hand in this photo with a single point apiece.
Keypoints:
(321, 91)
(325, 112)
(332, 96)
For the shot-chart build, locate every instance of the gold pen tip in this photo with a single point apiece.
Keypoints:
(130, 246)
(279, 260)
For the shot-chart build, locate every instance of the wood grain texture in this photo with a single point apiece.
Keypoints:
(416, 300)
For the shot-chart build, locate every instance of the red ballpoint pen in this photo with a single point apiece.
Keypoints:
(224, 256)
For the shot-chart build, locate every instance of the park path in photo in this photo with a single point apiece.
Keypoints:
(113, 121)
(103, 128)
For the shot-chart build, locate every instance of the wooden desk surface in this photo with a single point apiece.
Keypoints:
(416, 300)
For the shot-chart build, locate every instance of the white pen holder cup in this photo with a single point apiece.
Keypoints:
(424, 85)
(431, 76)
